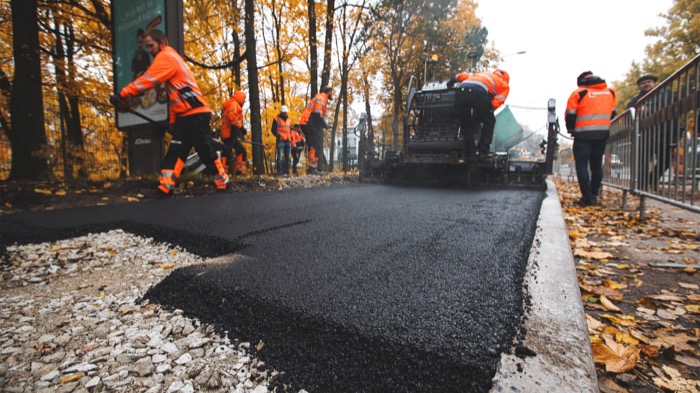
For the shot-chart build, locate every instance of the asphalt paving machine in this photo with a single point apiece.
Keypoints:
(432, 150)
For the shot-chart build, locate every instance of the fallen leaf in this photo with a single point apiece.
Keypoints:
(688, 360)
(593, 324)
(675, 382)
(71, 377)
(608, 304)
(60, 193)
(616, 357)
(624, 320)
(43, 191)
(168, 266)
(607, 385)
(260, 345)
(665, 314)
(667, 298)
(688, 286)
(639, 336)
(620, 336)
(693, 308)
(614, 285)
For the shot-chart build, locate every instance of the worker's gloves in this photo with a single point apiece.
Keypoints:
(119, 102)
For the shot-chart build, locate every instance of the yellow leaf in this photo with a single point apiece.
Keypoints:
(616, 357)
(621, 266)
(60, 193)
(173, 252)
(693, 308)
(168, 266)
(71, 377)
(43, 191)
(639, 336)
(614, 285)
(608, 304)
(624, 320)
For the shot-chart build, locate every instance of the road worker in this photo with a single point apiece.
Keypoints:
(589, 112)
(232, 131)
(189, 113)
(478, 96)
(298, 144)
(312, 124)
(282, 130)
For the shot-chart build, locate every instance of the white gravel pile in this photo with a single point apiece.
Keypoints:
(70, 321)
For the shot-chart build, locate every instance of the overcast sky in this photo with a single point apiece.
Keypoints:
(562, 38)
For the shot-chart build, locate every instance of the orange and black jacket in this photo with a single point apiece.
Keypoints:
(489, 82)
(590, 109)
(297, 138)
(232, 114)
(317, 106)
(170, 69)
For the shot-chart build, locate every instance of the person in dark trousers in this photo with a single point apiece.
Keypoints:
(282, 130)
(189, 113)
(589, 112)
(312, 124)
(298, 145)
(232, 132)
(477, 97)
(645, 84)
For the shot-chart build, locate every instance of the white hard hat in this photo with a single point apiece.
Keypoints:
(284, 109)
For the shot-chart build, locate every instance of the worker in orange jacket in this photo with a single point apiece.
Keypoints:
(282, 130)
(312, 124)
(589, 112)
(232, 131)
(478, 96)
(189, 113)
(298, 144)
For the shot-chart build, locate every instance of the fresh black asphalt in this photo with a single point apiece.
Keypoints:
(356, 288)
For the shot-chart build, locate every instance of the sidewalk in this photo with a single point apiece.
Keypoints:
(642, 320)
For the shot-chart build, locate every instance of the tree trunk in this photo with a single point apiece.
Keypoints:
(236, 65)
(27, 134)
(253, 88)
(328, 45)
(398, 101)
(313, 48)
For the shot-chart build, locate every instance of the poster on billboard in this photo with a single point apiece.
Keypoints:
(132, 18)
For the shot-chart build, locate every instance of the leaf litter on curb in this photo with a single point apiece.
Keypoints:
(642, 321)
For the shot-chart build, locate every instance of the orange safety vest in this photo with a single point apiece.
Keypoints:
(492, 83)
(593, 107)
(284, 127)
(183, 92)
(296, 138)
(232, 114)
(318, 105)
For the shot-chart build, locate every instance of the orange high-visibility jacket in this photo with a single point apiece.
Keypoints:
(183, 92)
(318, 104)
(284, 127)
(492, 83)
(296, 138)
(593, 107)
(232, 114)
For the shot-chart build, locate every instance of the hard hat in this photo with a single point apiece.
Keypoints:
(284, 109)
(503, 74)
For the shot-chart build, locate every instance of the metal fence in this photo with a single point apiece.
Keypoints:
(654, 148)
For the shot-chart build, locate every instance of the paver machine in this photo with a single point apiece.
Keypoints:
(432, 150)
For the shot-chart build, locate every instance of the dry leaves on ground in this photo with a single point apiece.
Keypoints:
(642, 321)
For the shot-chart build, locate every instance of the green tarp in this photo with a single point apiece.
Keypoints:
(507, 132)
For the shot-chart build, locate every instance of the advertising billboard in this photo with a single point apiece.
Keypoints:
(132, 18)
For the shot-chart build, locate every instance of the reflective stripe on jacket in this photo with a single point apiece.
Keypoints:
(183, 92)
(318, 104)
(492, 83)
(593, 107)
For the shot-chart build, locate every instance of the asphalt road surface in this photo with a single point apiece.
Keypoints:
(355, 288)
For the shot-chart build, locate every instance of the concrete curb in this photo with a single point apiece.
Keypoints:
(554, 324)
